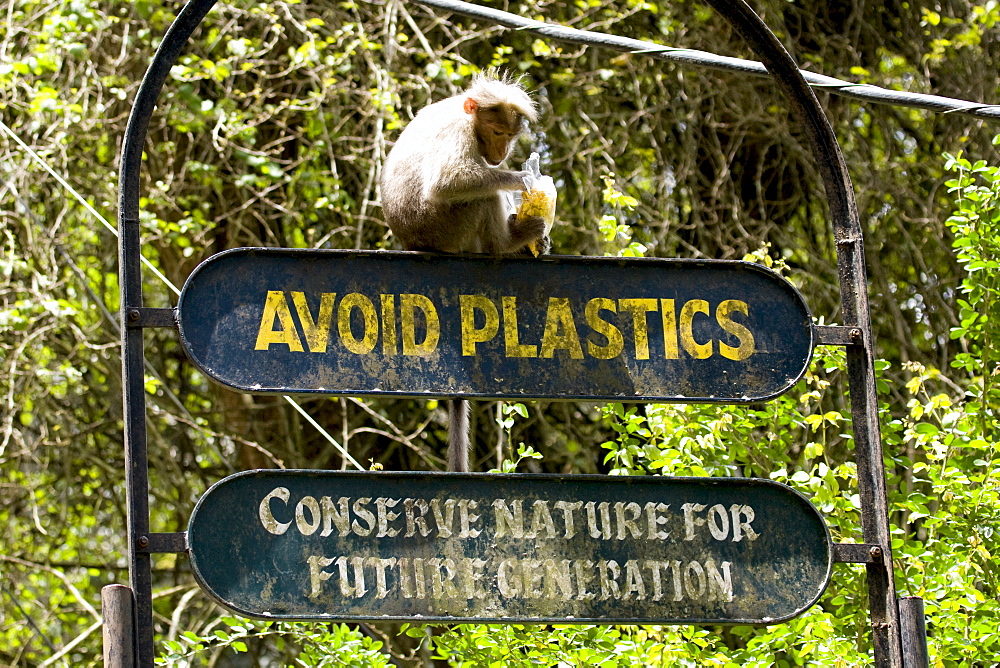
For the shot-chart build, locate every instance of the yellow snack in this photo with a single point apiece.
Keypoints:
(537, 203)
(538, 198)
(533, 203)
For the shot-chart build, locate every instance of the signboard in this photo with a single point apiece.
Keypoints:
(485, 547)
(416, 324)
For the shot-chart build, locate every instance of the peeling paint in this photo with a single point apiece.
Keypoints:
(320, 544)
(417, 324)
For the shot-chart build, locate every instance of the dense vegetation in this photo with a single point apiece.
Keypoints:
(271, 131)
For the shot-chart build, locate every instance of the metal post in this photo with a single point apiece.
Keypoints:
(118, 610)
(913, 632)
(130, 280)
(136, 462)
(854, 303)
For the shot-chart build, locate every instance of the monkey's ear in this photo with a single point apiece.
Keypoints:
(470, 105)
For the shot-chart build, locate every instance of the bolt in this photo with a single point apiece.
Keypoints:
(876, 552)
(133, 315)
(143, 541)
(855, 334)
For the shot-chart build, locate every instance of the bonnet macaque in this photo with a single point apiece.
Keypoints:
(442, 190)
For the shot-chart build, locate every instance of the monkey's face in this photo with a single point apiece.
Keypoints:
(496, 129)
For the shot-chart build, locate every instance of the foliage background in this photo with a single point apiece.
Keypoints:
(271, 131)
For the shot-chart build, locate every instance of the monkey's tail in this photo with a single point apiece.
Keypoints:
(458, 435)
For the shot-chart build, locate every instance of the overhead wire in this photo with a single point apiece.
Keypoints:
(858, 91)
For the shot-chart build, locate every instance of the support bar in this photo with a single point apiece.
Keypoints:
(163, 543)
(833, 335)
(856, 553)
(118, 610)
(913, 631)
(151, 317)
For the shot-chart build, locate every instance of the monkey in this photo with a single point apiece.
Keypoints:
(441, 182)
(443, 189)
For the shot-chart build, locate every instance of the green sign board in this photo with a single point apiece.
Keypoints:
(418, 324)
(490, 547)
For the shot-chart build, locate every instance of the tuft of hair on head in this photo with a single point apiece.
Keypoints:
(492, 88)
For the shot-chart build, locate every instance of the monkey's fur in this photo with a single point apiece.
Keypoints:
(442, 191)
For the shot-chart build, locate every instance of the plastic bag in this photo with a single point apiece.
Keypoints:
(538, 198)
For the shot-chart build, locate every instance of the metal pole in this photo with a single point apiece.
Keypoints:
(118, 610)
(854, 302)
(913, 632)
(136, 462)
(130, 281)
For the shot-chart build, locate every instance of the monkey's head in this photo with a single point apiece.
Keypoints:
(499, 110)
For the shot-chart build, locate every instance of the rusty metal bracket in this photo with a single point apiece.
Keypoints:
(856, 553)
(162, 543)
(151, 317)
(837, 335)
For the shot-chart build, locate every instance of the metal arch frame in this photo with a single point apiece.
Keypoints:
(854, 300)
(130, 286)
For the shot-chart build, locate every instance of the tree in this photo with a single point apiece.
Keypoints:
(271, 130)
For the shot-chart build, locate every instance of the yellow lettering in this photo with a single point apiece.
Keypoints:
(560, 330)
(358, 301)
(471, 335)
(317, 331)
(699, 351)
(511, 336)
(408, 304)
(275, 305)
(389, 345)
(638, 308)
(616, 343)
(742, 334)
(669, 317)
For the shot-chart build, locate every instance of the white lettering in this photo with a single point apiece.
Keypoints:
(264, 511)
(653, 520)
(317, 575)
(509, 520)
(690, 521)
(718, 521)
(386, 516)
(541, 519)
(307, 527)
(568, 509)
(381, 565)
(741, 527)
(628, 523)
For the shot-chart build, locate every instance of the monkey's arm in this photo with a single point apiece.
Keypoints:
(466, 185)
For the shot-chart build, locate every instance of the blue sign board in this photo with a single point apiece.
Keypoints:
(489, 547)
(416, 324)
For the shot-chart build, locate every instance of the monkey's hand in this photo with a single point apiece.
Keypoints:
(524, 231)
(510, 179)
(543, 246)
